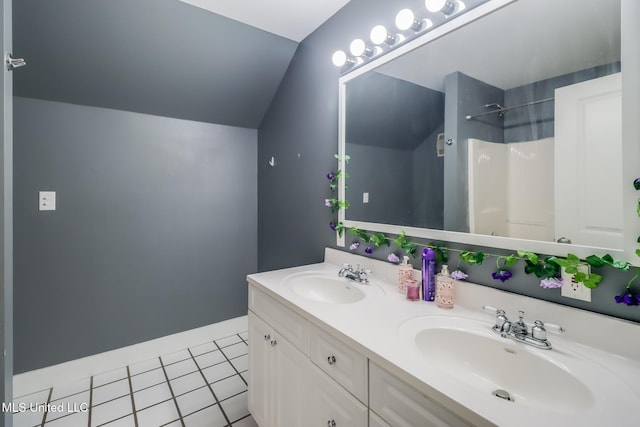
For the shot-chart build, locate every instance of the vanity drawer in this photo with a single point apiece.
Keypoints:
(401, 405)
(331, 405)
(343, 364)
(291, 325)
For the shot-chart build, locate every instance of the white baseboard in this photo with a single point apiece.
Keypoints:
(74, 370)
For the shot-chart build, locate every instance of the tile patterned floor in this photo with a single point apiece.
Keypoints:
(203, 386)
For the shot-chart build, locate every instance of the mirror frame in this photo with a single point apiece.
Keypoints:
(630, 58)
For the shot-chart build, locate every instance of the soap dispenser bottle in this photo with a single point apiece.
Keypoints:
(405, 273)
(428, 274)
(445, 296)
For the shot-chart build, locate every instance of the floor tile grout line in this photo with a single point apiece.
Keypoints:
(44, 416)
(242, 339)
(234, 368)
(175, 402)
(224, 414)
(133, 402)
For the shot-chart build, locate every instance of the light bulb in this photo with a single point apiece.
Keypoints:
(379, 35)
(358, 47)
(447, 7)
(405, 19)
(339, 58)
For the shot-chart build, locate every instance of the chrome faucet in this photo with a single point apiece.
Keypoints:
(519, 331)
(358, 274)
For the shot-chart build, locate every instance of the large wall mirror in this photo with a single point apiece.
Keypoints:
(508, 128)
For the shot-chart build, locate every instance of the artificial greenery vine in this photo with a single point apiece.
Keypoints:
(547, 269)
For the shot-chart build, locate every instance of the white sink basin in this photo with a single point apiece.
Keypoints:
(321, 287)
(470, 353)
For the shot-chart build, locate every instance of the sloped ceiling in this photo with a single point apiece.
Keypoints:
(161, 57)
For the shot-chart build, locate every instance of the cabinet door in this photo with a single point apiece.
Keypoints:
(291, 387)
(259, 398)
(333, 406)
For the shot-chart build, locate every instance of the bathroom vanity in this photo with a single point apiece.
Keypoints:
(327, 351)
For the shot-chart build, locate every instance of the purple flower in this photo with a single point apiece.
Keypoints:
(459, 275)
(368, 250)
(551, 282)
(327, 203)
(332, 226)
(628, 299)
(330, 175)
(354, 246)
(393, 258)
(636, 183)
(502, 275)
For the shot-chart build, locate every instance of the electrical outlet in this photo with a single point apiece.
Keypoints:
(576, 290)
(47, 200)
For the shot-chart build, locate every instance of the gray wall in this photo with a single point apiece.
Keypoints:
(464, 95)
(300, 130)
(154, 232)
(384, 173)
(160, 57)
(428, 184)
(293, 221)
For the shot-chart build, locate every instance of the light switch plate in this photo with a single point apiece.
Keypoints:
(365, 197)
(576, 290)
(47, 200)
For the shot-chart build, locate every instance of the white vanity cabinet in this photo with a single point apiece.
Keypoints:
(302, 375)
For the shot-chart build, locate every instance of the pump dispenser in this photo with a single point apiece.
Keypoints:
(405, 273)
(445, 296)
(428, 274)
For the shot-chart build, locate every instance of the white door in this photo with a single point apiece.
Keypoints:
(588, 162)
(6, 221)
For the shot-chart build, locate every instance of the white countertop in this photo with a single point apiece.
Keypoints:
(608, 349)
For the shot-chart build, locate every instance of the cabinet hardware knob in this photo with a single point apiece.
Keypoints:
(273, 343)
(267, 337)
(331, 360)
(331, 423)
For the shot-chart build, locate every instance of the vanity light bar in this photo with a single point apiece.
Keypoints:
(435, 12)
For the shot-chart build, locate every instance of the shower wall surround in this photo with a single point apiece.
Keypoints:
(154, 232)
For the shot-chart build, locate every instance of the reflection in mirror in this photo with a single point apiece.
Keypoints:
(505, 130)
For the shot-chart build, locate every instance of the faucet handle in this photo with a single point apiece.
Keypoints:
(501, 317)
(538, 331)
(555, 329)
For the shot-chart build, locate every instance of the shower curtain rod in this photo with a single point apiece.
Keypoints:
(502, 110)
